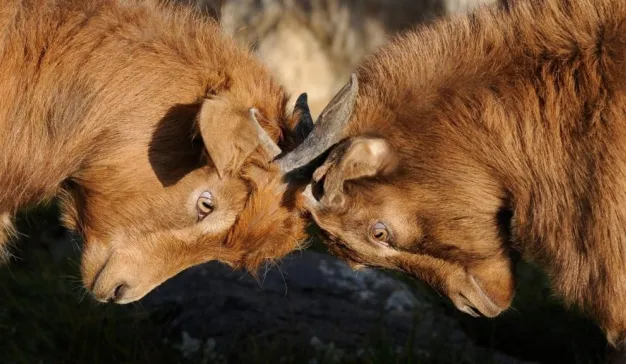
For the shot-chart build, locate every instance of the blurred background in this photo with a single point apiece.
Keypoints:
(311, 308)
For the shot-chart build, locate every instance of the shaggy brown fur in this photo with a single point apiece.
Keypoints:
(130, 111)
(509, 127)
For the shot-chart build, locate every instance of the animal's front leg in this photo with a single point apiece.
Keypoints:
(6, 232)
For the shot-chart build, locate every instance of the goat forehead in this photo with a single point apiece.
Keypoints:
(381, 199)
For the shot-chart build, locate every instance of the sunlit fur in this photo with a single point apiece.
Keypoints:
(100, 103)
(518, 109)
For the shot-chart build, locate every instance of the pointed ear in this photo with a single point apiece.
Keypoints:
(353, 159)
(228, 135)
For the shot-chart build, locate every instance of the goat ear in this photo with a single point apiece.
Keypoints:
(353, 159)
(228, 135)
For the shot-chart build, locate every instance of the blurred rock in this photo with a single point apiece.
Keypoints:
(313, 45)
(312, 301)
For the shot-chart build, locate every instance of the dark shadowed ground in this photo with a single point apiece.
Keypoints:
(310, 309)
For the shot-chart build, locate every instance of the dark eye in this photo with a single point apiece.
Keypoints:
(380, 232)
(205, 205)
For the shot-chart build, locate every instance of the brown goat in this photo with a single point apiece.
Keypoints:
(485, 136)
(138, 116)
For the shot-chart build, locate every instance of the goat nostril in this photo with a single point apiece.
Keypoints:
(118, 292)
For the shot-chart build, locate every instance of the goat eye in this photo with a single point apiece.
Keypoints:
(205, 205)
(380, 232)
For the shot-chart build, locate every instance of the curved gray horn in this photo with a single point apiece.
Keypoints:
(264, 139)
(327, 130)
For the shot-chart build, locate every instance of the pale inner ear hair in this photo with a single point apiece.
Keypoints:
(7, 232)
(264, 139)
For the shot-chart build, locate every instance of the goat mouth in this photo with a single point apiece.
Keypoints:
(475, 302)
(470, 311)
(463, 304)
(91, 286)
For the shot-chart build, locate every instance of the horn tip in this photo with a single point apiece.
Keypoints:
(302, 104)
(354, 81)
(302, 99)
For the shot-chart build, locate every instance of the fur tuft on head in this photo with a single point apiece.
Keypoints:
(268, 228)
